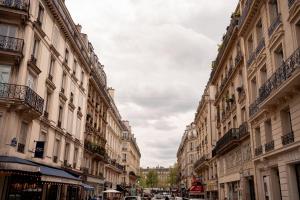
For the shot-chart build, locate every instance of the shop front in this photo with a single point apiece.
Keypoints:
(23, 179)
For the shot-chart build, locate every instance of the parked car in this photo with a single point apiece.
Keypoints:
(132, 198)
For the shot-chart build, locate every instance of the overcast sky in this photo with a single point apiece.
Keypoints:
(157, 55)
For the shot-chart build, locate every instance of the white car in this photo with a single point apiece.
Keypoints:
(132, 198)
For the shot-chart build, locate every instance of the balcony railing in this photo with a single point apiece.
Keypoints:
(291, 3)
(230, 137)
(200, 161)
(23, 94)
(11, 44)
(279, 77)
(251, 59)
(269, 146)
(274, 25)
(258, 150)
(288, 138)
(94, 148)
(15, 4)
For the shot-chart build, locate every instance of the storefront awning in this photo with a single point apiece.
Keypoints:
(49, 174)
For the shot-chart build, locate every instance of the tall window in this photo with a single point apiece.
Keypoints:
(268, 131)
(243, 114)
(66, 56)
(8, 30)
(67, 153)
(5, 73)
(31, 80)
(35, 48)
(250, 45)
(263, 75)
(40, 16)
(273, 10)
(51, 68)
(63, 82)
(82, 77)
(70, 121)
(286, 121)
(259, 31)
(278, 56)
(56, 149)
(75, 157)
(60, 116)
(47, 103)
(78, 128)
(74, 67)
(72, 92)
(257, 137)
(253, 89)
(22, 137)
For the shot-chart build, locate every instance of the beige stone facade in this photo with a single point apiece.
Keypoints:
(54, 106)
(130, 156)
(163, 174)
(114, 169)
(255, 115)
(187, 155)
(206, 165)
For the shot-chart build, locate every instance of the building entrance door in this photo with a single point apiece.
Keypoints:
(297, 167)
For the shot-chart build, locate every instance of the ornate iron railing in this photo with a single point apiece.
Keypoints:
(229, 137)
(274, 24)
(258, 150)
(269, 146)
(11, 44)
(200, 161)
(239, 57)
(15, 4)
(291, 3)
(283, 73)
(23, 94)
(287, 138)
(94, 148)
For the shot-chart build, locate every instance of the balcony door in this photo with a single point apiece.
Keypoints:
(8, 30)
(5, 73)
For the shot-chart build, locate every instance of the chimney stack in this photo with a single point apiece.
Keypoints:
(111, 92)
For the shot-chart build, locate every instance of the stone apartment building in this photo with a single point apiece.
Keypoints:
(44, 67)
(130, 156)
(98, 103)
(163, 175)
(206, 165)
(187, 155)
(54, 106)
(256, 81)
(113, 170)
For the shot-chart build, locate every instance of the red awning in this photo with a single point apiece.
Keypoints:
(196, 189)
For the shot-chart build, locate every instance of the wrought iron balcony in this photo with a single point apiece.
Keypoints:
(22, 5)
(274, 25)
(291, 3)
(21, 94)
(245, 12)
(200, 162)
(228, 141)
(258, 150)
(269, 146)
(279, 77)
(11, 44)
(288, 138)
(95, 148)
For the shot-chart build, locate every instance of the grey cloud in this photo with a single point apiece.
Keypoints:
(157, 56)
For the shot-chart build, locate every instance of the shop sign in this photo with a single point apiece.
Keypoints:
(39, 149)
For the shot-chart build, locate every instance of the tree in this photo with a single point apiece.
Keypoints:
(152, 179)
(173, 175)
(142, 181)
